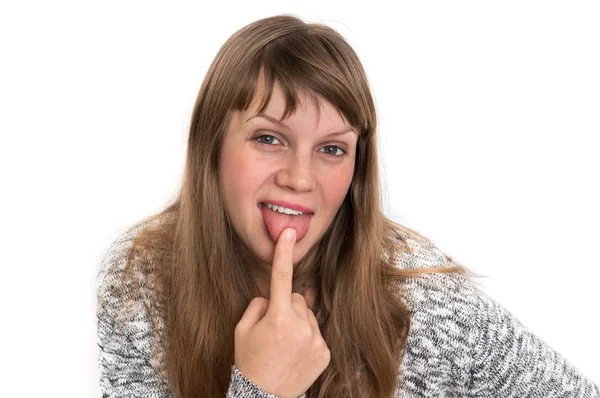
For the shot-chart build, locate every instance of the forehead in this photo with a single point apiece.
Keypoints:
(281, 105)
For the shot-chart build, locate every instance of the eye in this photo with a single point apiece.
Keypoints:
(266, 140)
(331, 150)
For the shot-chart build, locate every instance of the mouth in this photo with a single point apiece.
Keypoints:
(275, 222)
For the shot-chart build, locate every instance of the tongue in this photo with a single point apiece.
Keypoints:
(276, 222)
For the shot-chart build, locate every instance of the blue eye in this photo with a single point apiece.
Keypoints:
(330, 150)
(268, 141)
(335, 148)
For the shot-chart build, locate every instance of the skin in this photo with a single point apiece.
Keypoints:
(278, 344)
(299, 163)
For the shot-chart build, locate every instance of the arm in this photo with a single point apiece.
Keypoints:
(125, 333)
(125, 369)
(510, 361)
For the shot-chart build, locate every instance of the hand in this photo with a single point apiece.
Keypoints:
(278, 344)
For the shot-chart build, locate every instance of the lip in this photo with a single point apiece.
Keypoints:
(289, 205)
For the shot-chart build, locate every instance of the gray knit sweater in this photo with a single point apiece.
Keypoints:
(461, 342)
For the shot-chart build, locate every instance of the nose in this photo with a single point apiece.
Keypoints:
(297, 173)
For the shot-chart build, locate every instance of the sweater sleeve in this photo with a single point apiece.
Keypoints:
(242, 387)
(511, 361)
(125, 334)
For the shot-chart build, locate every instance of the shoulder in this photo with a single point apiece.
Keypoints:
(420, 254)
(418, 251)
(446, 312)
(126, 306)
(117, 255)
(129, 330)
(114, 261)
(442, 302)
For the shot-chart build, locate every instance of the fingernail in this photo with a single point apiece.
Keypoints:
(290, 234)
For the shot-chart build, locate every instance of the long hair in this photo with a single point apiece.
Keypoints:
(201, 268)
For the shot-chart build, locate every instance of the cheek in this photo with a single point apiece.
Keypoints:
(335, 188)
(242, 174)
(231, 168)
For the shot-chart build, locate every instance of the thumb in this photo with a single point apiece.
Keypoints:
(255, 311)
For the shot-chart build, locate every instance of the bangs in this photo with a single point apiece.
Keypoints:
(305, 63)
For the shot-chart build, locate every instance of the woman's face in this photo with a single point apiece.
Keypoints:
(306, 161)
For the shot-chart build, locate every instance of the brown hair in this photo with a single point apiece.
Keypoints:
(201, 267)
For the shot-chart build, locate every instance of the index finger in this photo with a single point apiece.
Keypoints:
(282, 270)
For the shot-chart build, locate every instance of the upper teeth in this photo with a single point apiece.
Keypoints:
(283, 209)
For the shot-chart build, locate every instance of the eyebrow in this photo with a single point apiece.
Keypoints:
(346, 130)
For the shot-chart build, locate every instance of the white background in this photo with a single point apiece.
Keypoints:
(489, 119)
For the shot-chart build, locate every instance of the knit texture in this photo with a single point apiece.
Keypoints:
(461, 342)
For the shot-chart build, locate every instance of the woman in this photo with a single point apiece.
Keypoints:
(209, 297)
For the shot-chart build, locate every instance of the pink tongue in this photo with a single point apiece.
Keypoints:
(276, 222)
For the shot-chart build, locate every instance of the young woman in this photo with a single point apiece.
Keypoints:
(274, 271)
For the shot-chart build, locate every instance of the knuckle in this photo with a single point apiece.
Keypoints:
(239, 331)
(279, 323)
(297, 297)
(303, 334)
(258, 301)
(326, 354)
(283, 275)
(321, 344)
